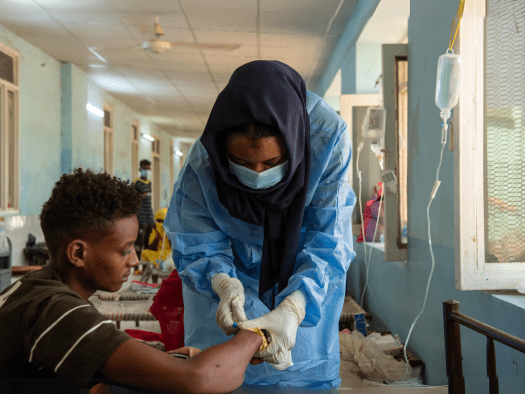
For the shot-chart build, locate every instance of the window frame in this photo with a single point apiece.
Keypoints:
(4, 133)
(472, 272)
(108, 142)
(156, 183)
(135, 148)
(390, 54)
(348, 103)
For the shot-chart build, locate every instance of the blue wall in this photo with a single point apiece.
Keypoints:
(57, 133)
(40, 124)
(396, 289)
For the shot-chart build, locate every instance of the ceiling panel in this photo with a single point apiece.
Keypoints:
(156, 7)
(206, 7)
(178, 88)
(65, 5)
(225, 20)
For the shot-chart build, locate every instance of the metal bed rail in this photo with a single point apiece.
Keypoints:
(453, 320)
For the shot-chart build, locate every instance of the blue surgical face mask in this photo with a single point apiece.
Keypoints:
(259, 180)
(144, 173)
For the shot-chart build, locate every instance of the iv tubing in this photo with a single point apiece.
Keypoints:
(373, 238)
(361, 207)
(434, 189)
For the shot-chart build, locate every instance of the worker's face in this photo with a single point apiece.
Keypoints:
(109, 261)
(258, 156)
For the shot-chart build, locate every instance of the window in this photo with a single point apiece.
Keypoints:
(490, 207)
(9, 130)
(353, 110)
(108, 140)
(395, 100)
(134, 149)
(394, 211)
(156, 186)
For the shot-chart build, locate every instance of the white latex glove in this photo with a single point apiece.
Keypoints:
(282, 324)
(231, 305)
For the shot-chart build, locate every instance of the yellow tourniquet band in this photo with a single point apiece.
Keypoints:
(265, 341)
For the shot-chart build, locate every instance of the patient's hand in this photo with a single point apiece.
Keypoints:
(190, 351)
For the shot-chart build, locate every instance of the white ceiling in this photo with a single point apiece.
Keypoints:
(177, 89)
(388, 25)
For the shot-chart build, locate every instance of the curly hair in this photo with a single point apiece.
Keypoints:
(85, 205)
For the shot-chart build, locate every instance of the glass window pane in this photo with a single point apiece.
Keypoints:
(12, 163)
(107, 118)
(7, 67)
(505, 132)
(402, 123)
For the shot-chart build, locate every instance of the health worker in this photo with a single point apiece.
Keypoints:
(260, 224)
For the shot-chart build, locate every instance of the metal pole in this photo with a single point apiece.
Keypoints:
(456, 382)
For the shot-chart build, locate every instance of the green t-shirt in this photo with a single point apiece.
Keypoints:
(48, 331)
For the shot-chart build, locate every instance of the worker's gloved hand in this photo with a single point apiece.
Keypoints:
(231, 305)
(282, 324)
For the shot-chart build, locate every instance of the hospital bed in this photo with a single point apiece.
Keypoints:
(452, 321)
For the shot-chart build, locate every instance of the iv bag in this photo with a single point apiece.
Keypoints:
(374, 123)
(447, 83)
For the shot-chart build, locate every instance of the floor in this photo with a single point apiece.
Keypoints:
(350, 380)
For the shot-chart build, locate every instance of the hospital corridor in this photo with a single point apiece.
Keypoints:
(262, 196)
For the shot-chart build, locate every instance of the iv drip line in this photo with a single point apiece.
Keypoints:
(432, 195)
(363, 230)
(447, 94)
(373, 238)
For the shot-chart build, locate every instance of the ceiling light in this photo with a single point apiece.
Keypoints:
(178, 153)
(148, 137)
(95, 110)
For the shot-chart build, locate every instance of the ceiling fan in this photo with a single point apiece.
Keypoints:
(157, 45)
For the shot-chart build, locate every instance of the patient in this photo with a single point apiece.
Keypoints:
(52, 339)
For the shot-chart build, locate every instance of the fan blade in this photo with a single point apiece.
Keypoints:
(200, 45)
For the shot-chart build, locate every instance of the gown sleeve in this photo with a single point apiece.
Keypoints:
(326, 247)
(202, 249)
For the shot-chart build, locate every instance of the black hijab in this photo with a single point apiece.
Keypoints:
(272, 93)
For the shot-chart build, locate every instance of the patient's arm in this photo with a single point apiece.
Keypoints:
(217, 369)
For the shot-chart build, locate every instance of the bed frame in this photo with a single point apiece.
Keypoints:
(453, 320)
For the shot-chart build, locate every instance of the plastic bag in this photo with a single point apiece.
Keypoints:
(373, 363)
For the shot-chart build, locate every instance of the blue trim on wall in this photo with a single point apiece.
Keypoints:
(344, 54)
(66, 118)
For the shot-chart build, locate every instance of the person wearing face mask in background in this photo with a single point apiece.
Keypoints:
(145, 215)
(260, 224)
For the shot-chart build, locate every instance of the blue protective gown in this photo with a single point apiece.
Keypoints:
(207, 240)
